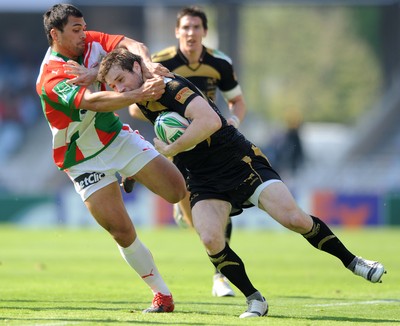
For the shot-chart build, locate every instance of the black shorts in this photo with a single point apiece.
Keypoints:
(243, 181)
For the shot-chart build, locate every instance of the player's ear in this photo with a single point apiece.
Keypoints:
(53, 34)
(136, 67)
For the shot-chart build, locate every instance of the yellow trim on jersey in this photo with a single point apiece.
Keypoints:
(205, 71)
(164, 55)
(153, 106)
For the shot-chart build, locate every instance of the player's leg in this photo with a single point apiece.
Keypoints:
(209, 219)
(221, 286)
(107, 207)
(163, 178)
(183, 217)
(278, 202)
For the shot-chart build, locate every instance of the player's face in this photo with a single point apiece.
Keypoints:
(190, 34)
(70, 42)
(122, 80)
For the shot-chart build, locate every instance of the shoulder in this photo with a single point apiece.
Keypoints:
(218, 55)
(165, 54)
(52, 72)
(180, 90)
(177, 83)
(109, 41)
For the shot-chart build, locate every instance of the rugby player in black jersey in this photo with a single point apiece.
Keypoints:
(226, 172)
(209, 69)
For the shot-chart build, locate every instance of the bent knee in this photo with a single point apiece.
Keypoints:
(175, 196)
(123, 235)
(299, 222)
(213, 244)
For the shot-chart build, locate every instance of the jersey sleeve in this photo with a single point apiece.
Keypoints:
(223, 64)
(228, 79)
(60, 99)
(107, 41)
(177, 96)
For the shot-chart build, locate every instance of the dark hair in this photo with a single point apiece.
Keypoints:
(193, 11)
(119, 57)
(57, 17)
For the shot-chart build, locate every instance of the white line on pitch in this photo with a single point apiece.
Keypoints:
(353, 303)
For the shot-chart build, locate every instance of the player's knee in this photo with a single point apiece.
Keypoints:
(212, 242)
(124, 235)
(176, 195)
(298, 222)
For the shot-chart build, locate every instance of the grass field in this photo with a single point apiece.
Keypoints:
(77, 277)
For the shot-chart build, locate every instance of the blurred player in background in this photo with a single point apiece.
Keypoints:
(209, 70)
(225, 172)
(91, 144)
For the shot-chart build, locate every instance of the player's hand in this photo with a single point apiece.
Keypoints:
(152, 89)
(84, 76)
(163, 148)
(151, 69)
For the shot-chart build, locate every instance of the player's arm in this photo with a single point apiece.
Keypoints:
(204, 122)
(149, 68)
(136, 113)
(108, 101)
(232, 93)
(87, 76)
(237, 106)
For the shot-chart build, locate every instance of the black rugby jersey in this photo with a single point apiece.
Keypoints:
(214, 160)
(214, 69)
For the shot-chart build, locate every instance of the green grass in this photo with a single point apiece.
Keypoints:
(77, 277)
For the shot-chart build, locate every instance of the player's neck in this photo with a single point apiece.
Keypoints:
(63, 53)
(192, 56)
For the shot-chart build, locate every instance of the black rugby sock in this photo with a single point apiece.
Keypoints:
(322, 238)
(228, 234)
(230, 264)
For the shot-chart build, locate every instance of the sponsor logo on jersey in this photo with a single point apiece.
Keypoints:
(183, 95)
(64, 91)
(88, 179)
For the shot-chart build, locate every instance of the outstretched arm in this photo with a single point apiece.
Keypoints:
(86, 76)
(149, 68)
(108, 101)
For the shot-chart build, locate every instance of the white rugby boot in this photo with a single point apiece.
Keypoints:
(221, 287)
(370, 270)
(255, 308)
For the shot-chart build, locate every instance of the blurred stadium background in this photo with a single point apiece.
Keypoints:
(328, 71)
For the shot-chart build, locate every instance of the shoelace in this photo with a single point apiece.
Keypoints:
(364, 267)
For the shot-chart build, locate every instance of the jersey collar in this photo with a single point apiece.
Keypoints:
(186, 61)
(80, 59)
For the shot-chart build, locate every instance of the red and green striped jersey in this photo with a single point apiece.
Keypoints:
(78, 134)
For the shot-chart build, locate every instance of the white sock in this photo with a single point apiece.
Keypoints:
(139, 257)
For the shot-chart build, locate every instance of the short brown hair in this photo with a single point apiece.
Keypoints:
(119, 57)
(193, 11)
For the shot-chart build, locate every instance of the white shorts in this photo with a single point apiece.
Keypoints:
(127, 155)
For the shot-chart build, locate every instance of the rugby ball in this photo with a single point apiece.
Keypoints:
(169, 126)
